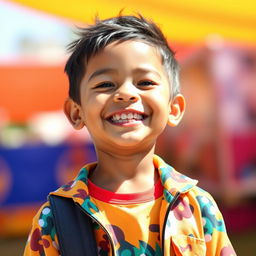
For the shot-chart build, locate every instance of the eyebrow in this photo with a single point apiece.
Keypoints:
(100, 72)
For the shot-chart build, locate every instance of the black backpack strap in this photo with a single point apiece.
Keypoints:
(73, 227)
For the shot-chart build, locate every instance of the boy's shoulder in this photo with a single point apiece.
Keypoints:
(43, 223)
(173, 182)
(204, 200)
(77, 189)
(43, 213)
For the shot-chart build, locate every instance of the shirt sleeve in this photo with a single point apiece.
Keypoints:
(42, 240)
(215, 234)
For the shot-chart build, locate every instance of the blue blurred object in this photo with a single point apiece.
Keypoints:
(37, 170)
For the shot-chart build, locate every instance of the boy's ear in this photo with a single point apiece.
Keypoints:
(177, 109)
(72, 111)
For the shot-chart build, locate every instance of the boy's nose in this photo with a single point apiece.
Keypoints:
(126, 93)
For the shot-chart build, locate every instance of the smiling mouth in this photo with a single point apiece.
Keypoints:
(127, 118)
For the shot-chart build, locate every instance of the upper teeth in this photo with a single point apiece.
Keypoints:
(128, 116)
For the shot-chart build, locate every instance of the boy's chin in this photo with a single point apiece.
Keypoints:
(132, 144)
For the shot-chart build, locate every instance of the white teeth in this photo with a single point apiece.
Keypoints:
(123, 116)
(128, 116)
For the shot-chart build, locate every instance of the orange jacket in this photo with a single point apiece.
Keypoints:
(190, 221)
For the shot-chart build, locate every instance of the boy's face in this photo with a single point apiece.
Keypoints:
(125, 97)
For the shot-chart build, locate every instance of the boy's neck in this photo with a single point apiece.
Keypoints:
(119, 173)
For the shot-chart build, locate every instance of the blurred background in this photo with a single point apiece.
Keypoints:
(215, 43)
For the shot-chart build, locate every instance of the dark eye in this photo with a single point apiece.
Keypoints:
(146, 83)
(105, 85)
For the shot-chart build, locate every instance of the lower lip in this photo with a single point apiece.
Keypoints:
(128, 123)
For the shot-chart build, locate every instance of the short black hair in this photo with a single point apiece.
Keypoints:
(96, 37)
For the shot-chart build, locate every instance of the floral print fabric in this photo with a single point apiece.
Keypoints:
(190, 222)
(143, 239)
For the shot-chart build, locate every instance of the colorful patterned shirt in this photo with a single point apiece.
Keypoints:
(139, 211)
(189, 221)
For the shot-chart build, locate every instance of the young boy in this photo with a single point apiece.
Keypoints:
(124, 89)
